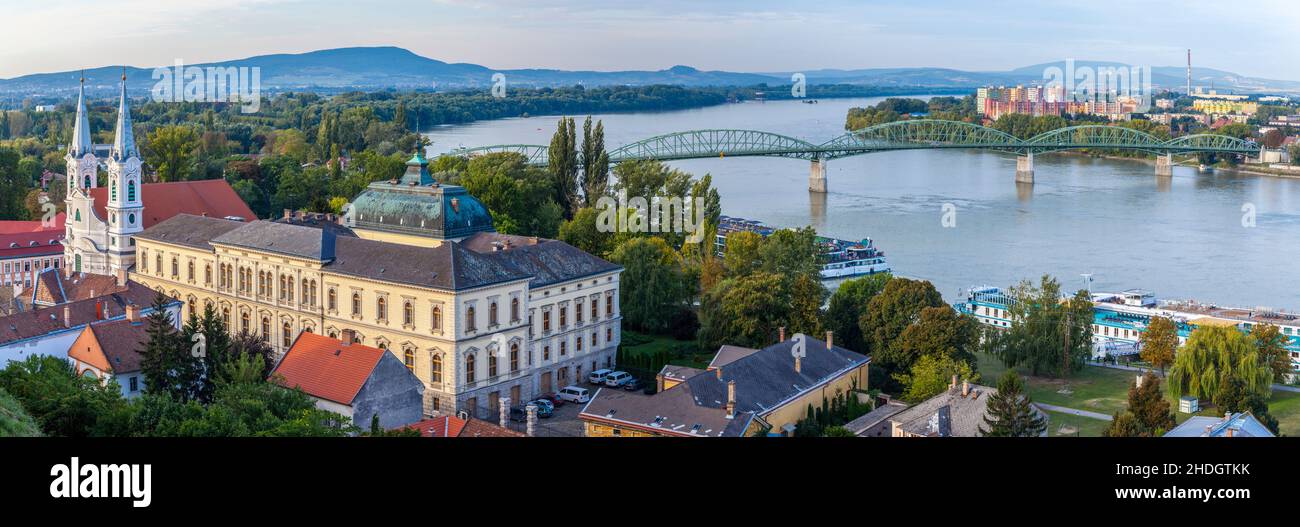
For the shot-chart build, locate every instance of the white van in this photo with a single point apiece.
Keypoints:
(574, 394)
(598, 376)
(617, 379)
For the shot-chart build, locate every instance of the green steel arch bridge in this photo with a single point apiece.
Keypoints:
(901, 135)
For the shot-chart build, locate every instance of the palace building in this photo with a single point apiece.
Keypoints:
(419, 272)
(102, 221)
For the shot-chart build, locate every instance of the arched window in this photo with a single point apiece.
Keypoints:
(266, 329)
(469, 369)
(289, 297)
(492, 364)
(333, 300)
(514, 310)
(577, 311)
(381, 305)
(287, 335)
(313, 293)
(564, 317)
(564, 348)
(189, 271)
(514, 356)
(435, 369)
(157, 261)
(113, 190)
(410, 359)
(577, 344)
(130, 190)
(244, 323)
(469, 318)
(176, 267)
(437, 318)
(594, 314)
(207, 274)
(78, 215)
(408, 313)
(86, 181)
(492, 314)
(282, 287)
(144, 260)
(356, 304)
(304, 292)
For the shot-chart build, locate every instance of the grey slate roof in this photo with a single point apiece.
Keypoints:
(448, 266)
(189, 230)
(282, 238)
(764, 379)
(1242, 424)
(960, 416)
(548, 261)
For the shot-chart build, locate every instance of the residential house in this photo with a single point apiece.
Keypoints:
(457, 426)
(957, 412)
(352, 379)
(743, 392)
(110, 351)
(1242, 424)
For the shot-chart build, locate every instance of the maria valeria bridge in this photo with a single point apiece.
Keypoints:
(902, 135)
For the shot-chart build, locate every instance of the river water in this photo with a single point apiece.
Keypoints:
(1185, 237)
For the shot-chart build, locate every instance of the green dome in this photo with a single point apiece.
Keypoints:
(418, 205)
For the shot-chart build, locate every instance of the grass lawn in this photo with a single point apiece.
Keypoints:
(649, 344)
(1105, 390)
(1067, 425)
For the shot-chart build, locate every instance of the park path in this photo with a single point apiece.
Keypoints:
(1281, 387)
(1073, 411)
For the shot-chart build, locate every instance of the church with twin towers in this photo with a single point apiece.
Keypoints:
(102, 221)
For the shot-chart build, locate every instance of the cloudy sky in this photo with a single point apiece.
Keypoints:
(1257, 38)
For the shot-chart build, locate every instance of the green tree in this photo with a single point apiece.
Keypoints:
(1010, 412)
(741, 257)
(63, 403)
(1049, 334)
(515, 193)
(563, 164)
(744, 311)
(889, 313)
(847, 305)
(14, 419)
(13, 186)
(806, 298)
(171, 151)
(837, 431)
(1271, 345)
(168, 366)
(930, 376)
(1159, 342)
(652, 283)
(595, 161)
(1212, 358)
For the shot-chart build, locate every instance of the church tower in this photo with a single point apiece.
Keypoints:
(82, 169)
(125, 207)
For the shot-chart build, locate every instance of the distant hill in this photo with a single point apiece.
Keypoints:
(379, 68)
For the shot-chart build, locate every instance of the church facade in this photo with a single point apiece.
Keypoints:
(101, 223)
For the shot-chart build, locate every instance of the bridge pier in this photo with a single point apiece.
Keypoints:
(1025, 168)
(1164, 165)
(817, 176)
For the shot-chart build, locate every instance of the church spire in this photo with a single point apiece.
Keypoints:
(124, 142)
(81, 130)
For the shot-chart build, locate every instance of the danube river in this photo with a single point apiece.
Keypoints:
(1183, 238)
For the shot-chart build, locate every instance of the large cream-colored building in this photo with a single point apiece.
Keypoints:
(478, 316)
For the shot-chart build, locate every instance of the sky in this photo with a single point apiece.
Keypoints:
(1254, 38)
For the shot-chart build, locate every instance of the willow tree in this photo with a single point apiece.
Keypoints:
(1212, 359)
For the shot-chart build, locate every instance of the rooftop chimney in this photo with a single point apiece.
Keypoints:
(99, 310)
(830, 340)
(797, 365)
(731, 399)
(67, 316)
(953, 384)
(781, 333)
(348, 336)
(965, 388)
(133, 312)
(718, 371)
(121, 277)
(288, 214)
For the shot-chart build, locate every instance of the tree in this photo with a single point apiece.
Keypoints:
(14, 419)
(1148, 404)
(515, 193)
(791, 252)
(741, 257)
(170, 150)
(1159, 342)
(13, 186)
(744, 311)
(584, 233)
(563, 163)
(63, 403)
(889, 314)
(595, 162)
(1010, 412)
(837, 431)
(930, 376)
(1212, 358)
(1050, 334)
(938, 331)
(1271, 345)
(806, 298)
(1124, 424)
(652, 284)
(847, 305)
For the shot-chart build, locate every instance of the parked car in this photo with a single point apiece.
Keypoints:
(544, 407)
(598, 376)
(632, 385)
(574, 394)
(617, 379)
(554, 399)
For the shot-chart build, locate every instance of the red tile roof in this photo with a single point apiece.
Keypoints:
(52, 288)
(17, 227)
(46, 320)
(325, 368)
(16, 238)
(210, 197)
(450, 426)
(120, 341)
